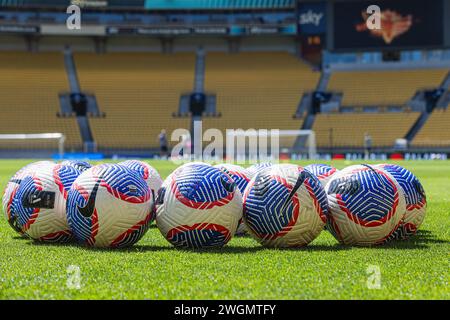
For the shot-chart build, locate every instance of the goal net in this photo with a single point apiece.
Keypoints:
(269, 145)
(299, 142)
(32, 142)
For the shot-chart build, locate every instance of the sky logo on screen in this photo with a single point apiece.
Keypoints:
(310, 17)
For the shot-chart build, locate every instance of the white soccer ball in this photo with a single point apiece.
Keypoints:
(366, 204)
(323, 172)
(254, 169)
(241, 177)
(416, 201)
(38, 206)
(11, 189)
(285, 206)
(150, 174)
(198, 206)
(109, 205)
(77, 164)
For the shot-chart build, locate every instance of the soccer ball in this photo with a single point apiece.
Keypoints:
(366, 205)
(240, 176)
(254, 169)
(323, 172)
(109, 205)
(285, 206)
(10, 191)
(416, 201)
(198, 206)
(150, 175)
(38, 206)
(77, 164)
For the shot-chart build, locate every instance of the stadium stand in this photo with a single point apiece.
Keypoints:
(257, 90)
(382, 88)
(436, 131)
(348, 129)
(138, 92)
(29, 88)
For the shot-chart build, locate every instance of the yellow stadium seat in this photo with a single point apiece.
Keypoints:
(436, 131)
(138, 92)
(29, 87)
(348, 129)
(382, 88)
(257, 90)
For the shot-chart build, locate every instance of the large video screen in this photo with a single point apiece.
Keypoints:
(403, 24)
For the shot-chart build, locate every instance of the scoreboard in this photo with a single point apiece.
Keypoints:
(403, 24)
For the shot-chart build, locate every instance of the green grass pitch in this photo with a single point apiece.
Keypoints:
(153, 269)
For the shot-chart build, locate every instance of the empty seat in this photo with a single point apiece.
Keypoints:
(436, 131)
(381, 88)
(138, 92)
(257, 90)
(30, 84)
(348, 129)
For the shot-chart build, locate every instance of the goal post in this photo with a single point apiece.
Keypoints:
(59, 138)
(309, 137)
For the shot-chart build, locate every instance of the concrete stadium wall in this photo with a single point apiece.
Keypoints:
(13, 42)
(140, 44)
(269, 44)
(58, 43)
(190, 44)
(124, 44)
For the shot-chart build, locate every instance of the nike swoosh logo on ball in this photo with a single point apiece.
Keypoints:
(88, 210)
(301, 178)
(229, 186)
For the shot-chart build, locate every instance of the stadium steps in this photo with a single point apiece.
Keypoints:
(211, 104)
(74, 84)
(196, 137)
(92, 107)
(308, 123)
(444, 100)
(64, 104)
(199, 81)
(307, 100)
(425, 115)
(304, 104)
(420, 122)
(183, 106)
(85, 130)
(446, 83)
(71, 71)
(323, 81)
(417, 102)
